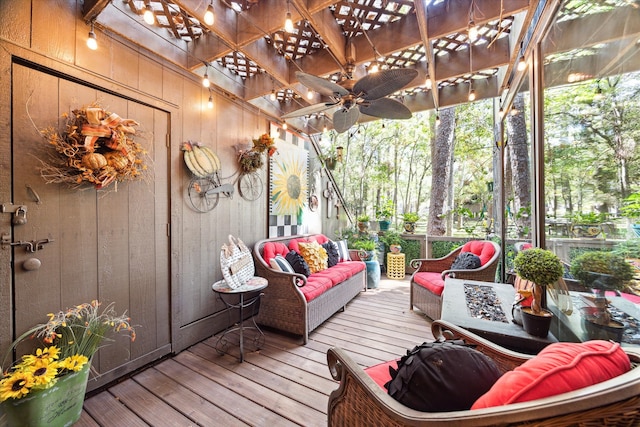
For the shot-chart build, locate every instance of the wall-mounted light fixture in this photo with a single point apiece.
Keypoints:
(92, 42)
(209, 16)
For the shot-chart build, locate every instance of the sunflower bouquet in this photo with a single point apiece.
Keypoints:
(70, 338)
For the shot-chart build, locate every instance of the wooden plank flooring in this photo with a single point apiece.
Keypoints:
(283, 384)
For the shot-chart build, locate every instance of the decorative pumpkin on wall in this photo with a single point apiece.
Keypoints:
(94, 161)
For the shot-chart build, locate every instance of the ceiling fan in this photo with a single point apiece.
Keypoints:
(350, 98)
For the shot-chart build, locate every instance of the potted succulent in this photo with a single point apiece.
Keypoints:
(631, 209)
(384, 213)
(363, 223)
(542, 267)
(410, 219)
(602, 271)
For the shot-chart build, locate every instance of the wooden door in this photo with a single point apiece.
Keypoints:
(111, 245)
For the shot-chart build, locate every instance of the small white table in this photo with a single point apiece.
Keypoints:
(255, 284)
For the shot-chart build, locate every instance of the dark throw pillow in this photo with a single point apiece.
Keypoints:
(333, 257)
(298, 263)
(466, 261)
(442, 377)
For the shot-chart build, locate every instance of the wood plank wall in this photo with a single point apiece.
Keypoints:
(55, 50)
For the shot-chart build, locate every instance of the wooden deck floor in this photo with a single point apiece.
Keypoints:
(283, 384)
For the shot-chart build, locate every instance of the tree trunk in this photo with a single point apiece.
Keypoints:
(519, 155)
(440, 177)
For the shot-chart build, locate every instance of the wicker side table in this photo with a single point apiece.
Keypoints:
(395, 266)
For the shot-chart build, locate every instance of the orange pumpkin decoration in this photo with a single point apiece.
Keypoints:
(117, 160)
(94, 161)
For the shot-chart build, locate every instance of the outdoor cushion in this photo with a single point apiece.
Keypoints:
(430, 280)
(316, 285)
(558, 368)
(341, 272)
(343, 250)
(333, 257)
(298, 263)
(484, 250)
(466, 261)
(280, 263)
(314, 255)
(271, 249)
(380, 372)
(294, 243)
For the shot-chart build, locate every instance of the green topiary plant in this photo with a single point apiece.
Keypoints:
(540, 266)
(602, 270)
(410, 217)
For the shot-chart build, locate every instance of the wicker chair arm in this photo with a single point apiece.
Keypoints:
(435, 264)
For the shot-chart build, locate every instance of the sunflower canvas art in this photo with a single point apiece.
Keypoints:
(289, 185)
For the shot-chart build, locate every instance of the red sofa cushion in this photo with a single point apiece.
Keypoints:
(320, 238)
(316, 286)
(271, 249)
(484, 250)
(430, 280)
(558, 368)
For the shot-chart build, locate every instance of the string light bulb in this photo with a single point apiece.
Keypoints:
(437, 119)
(148, 15)
(288, 22)
(522, 64)
(309, 94)
(501, 112)
(205, 79)
(374, 67)
(473, 31)
(284, 126)
(514, 111)
(210, 103)
(598, 95)
(92, 41)
(428, 84)
(273, 95)
(472, 95)
(209, 16)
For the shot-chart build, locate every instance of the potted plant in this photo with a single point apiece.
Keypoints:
(410, 219)
(602, 271)
(587, 225)
(630, 250)
(363, 223)
(384, 213)
(631, 209)
(393, 240)
(47, 387)
(368, 246)
(542, 267)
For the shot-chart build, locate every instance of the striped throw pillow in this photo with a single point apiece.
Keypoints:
(281, 264)
(343, 250)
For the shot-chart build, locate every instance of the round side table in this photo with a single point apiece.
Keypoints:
(255, 284)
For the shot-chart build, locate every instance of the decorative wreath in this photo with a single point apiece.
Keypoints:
(251, 160)
(97, 147)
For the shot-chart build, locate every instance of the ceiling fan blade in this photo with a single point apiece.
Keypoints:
(386, 108)
(320, 85)
(344, 118)
(311, 109)
(383, 83)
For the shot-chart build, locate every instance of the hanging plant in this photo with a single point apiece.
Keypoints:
(250, 161)
(96, 147)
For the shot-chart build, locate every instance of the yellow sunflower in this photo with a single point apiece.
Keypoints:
(44, 371)
(74, 363)
(15, 385)
(50, 353)
(288, 196)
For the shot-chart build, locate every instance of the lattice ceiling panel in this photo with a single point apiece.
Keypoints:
(173, 18)
(358, 15)
(577, 9)
(302, 42)
(486, 34)
(240, 65)
(286, 95)
(241, 5)
(466, 78)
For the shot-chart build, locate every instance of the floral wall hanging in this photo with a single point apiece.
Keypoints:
(96, 147)
(251, 160)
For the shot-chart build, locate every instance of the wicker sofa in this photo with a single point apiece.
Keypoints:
(359, 401)
(298, 304)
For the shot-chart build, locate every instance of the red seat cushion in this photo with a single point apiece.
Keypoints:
(484, 250)
(430, 280)
(341, 271)
(380, 372)
(320, 238)
(558, 368)
(316, 286)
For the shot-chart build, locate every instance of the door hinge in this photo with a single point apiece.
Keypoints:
(168, 230)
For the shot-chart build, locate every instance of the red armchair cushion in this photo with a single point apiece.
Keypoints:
(430, 280)
(484, 250)
(558, 368)
(380, 372)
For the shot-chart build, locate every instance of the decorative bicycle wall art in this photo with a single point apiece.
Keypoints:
(206, 184)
